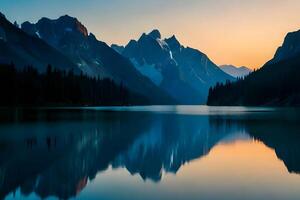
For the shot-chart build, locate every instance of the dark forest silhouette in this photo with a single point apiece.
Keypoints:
(28, 87)
(274, 85)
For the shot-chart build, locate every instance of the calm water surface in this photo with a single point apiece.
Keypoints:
(158, 152)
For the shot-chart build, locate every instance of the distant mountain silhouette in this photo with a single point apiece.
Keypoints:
(93, 57)
(184, 73)
(276, 83)
(236, 71)
(22, 49)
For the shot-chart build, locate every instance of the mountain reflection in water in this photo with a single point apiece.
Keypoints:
(59, 152)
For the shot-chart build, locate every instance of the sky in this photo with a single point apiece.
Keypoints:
(238, 32)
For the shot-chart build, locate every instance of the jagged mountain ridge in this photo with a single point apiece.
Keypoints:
(185, 73)
(95, 58)
(22, 49)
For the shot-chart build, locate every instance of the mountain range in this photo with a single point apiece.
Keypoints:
(183, 72)
(93, 57)
(275, 84)
(163, 71)
(66, 45)
(236, 72)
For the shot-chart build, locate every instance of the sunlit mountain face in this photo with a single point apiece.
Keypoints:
(64, 152)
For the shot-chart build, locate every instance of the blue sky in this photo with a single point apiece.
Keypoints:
(238, 32)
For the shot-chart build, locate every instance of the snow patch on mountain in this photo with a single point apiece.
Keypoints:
(38, 34)
(162, 44)
(149, 71)
(183, 72)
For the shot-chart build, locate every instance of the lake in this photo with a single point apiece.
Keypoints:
(154, 152)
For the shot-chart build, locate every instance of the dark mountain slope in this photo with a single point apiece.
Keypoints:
(276, 83)
(93, 57)
(289, 48)
(22, 49)
(184, 73)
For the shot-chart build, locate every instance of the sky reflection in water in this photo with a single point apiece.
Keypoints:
(166, 153)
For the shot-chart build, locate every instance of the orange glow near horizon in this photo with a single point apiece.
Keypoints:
(238, 32)
(229, 32)
(242, 170)
(242, 158)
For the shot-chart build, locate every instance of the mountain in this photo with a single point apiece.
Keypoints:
(95, 58)
(118, 48)
(183, 72)
(289, 49)
(22, 49)
(236, 71)
(275, 84)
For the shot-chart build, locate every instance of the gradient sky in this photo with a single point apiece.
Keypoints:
(238, 32)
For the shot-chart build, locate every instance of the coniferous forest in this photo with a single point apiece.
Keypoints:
(28, 87)
(275, 84)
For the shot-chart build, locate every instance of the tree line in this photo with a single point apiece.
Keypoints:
(275, 84)
(28, 87)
